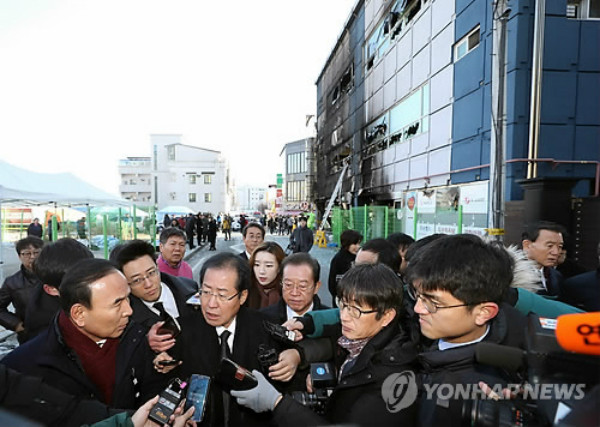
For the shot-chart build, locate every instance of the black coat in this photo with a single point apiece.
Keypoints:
(17, 289)
(190, 225)
(277, 312)
(48, 357)
(583, 291)
(301, 239)
(357, 398)
(35, 230)
(33, 399)
(340, 263)
(39, 312)
(458, 366)
(201, 355)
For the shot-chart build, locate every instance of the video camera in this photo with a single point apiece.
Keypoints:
(323, 381)
(553, 380)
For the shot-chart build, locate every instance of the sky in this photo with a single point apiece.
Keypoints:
(83, 83)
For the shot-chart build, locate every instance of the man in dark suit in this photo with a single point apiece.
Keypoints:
(583, 290)
(300, 283)
(253, 235)
(155, 297)
(543, 242)
(222, 329)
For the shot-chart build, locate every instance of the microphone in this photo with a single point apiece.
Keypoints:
(579, 333)
(500, 356)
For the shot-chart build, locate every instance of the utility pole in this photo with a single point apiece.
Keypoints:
(496, 197)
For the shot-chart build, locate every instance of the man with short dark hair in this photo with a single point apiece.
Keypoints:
(50, 267)
(302, 238)
(458, 284)
(154, 295)
(172, 252)
(543, 243)
(379, 251)
(253, 234)
(17, 288)
(91, 350)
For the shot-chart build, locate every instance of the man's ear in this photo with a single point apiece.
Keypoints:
(485, 312)
(77, 314)
(388, 316)
(51, 290)
(526, 244)
(243, 297)
(317, 286)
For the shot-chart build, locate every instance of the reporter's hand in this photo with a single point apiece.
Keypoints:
(264, 397)
(164, 369)
(296, 326)
(158, 342)
(140, 417)
(285, 369)
(179, 419)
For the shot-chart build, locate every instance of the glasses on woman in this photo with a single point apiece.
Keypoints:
(354, 311)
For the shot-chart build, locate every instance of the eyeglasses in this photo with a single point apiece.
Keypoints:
(429, 305)
(204, 294)
(300, 286)
(139, 280)
(354, 311)
(30, 254)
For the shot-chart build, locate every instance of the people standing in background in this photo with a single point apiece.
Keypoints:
(35, 228)
(343, 260)
(212, 233)
(17, 289)
(302, 237)
(226, 227)
(190, 225)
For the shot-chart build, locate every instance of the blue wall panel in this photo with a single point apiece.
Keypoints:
(561, 44)
(588, 99)
(467, 116)
(589, 56)
(559, 94)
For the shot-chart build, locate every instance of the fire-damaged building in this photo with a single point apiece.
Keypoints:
(494, 101)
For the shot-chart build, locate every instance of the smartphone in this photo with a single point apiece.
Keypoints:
(168, 362)
(170, 327)
(196, 395)
(168, 401)
(194, 300)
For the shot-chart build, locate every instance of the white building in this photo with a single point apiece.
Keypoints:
(250, 199)
(177, 174)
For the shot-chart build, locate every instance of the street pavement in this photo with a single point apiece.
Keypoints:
(197, 257)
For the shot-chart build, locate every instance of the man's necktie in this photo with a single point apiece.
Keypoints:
(225, 353)
(161, 309)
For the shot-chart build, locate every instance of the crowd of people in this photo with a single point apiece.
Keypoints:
(99, 339)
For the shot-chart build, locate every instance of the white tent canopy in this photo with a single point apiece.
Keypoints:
(20, 187)
(23, 187)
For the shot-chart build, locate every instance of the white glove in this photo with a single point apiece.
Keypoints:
(261, 398)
